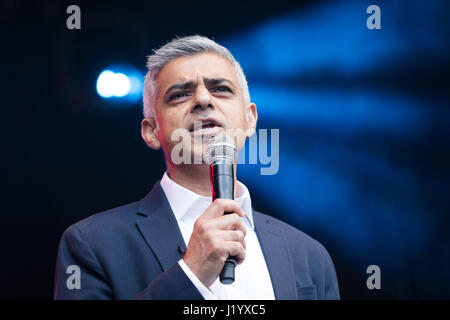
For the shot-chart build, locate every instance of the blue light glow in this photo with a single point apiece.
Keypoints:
(121, 83)
(353, 112)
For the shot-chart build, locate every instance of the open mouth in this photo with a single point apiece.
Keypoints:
(205, 127)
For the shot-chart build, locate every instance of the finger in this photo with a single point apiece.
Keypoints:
(220, 206)
(232, 235)
(224, 222)
(228, 222)
(236, 249)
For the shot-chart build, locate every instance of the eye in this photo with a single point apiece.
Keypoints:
(221, 89)
(177, 95)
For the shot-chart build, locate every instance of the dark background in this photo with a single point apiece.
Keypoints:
(363, 118)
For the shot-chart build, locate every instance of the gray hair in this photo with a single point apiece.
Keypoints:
(180, 47)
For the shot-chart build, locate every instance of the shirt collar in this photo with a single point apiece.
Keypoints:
(186, 204)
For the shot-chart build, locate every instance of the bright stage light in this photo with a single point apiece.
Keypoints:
(110, 84)
(104, 81)
(121, 83)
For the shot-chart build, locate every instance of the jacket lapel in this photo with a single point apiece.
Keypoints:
(159, 228)
(277, 257)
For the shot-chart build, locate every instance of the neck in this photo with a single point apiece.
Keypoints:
(195, 177)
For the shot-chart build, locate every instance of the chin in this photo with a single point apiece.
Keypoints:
(197, 153)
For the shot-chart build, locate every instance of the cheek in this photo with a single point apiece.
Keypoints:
(238, 121)
(239, 133)
(172, 134)
(164, 133)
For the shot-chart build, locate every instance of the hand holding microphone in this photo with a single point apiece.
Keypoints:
(217, 243)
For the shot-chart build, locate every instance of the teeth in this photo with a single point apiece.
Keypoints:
(205, 130)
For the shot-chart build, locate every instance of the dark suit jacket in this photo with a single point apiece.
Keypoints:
(132, 252)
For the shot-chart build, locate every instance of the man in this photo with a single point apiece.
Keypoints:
(172, 244)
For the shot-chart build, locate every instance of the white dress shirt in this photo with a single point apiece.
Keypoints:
(252, 276)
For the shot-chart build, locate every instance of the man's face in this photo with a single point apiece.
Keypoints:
(204, 88)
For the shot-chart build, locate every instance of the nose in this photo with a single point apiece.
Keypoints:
(202, 100)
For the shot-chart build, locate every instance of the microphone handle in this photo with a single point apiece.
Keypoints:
(222, 185)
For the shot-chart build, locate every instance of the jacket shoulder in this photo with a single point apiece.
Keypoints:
(107, 221)
(288, 230)
(298, 241)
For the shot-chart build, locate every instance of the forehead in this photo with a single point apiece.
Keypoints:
(189, 68)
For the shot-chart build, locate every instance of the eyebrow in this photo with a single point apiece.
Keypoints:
(190, 84)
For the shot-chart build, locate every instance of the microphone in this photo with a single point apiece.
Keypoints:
(221, 154)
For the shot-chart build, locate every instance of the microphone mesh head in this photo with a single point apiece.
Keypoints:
(220, 148)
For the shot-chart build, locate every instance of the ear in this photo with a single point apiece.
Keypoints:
(252, 118)
(148, 133)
